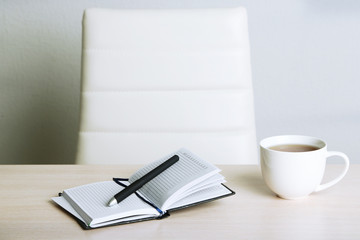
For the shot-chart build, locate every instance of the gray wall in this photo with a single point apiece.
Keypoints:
(305, 62)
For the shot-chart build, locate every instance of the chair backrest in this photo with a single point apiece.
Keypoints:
(156, 80)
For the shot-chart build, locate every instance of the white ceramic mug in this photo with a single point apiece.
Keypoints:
(294, 175)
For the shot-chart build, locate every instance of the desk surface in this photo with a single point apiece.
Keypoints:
(253, 213)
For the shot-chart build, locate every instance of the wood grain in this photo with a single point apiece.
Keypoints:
(27, 211)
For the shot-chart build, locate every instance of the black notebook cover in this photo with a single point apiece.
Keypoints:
(167, 214)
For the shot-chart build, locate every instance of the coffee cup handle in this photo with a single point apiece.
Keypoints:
(336, 180)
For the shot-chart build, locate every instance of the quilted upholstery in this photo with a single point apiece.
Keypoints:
(156, 80)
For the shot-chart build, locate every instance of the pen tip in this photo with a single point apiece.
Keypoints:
(112, 202)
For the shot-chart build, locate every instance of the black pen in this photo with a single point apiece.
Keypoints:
(142, 181)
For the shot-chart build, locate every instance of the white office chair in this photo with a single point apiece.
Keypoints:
(154, 81)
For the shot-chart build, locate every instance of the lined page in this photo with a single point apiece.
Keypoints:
(91, 200)
(202, 195)
(187, 172)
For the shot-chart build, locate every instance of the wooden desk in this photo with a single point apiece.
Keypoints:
(253, 213)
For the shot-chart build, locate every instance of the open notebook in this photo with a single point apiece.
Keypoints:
(188, 182)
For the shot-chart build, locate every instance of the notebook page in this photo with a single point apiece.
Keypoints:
(90, 202)
(203, 195)
(178, 178)
(61, 201)
(214, 180)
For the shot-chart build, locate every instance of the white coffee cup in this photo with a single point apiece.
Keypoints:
(294, 175)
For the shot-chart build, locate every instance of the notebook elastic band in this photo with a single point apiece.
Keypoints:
(120, 180)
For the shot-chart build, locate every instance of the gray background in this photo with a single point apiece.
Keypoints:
(305, 64)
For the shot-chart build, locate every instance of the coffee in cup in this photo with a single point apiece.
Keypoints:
(293, 166)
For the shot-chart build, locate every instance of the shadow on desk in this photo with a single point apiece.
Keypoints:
(251, 181)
